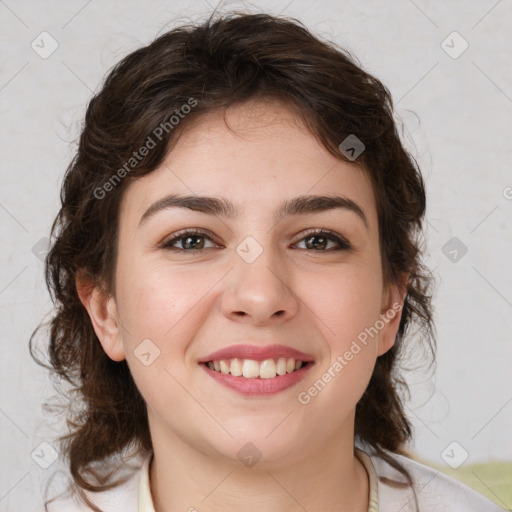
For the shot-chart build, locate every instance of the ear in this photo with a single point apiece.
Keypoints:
(102, 310)
(393, 297)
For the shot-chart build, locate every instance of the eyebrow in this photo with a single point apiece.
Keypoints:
(221, 207)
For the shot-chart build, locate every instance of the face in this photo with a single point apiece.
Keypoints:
(250, 277)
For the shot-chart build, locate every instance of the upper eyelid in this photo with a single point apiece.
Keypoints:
(182, 232)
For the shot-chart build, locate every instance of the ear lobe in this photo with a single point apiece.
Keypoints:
(102, 311)
(391, 313)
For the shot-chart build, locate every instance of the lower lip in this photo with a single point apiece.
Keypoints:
(258, 386)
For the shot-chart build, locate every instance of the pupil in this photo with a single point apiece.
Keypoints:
(189, 245)
(316, 246)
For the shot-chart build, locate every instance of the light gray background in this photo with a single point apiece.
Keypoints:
(456, 110)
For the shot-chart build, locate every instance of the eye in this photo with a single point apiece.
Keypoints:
(318, 239)
(190, 241)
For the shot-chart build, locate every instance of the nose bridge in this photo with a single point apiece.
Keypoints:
(259, 287)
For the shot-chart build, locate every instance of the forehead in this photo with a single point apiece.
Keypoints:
(256, 154)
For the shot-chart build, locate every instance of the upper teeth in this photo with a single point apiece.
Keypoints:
(252, 369)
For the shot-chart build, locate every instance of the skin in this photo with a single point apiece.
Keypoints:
(192, 304)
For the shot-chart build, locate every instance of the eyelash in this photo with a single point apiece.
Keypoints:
(330, 235)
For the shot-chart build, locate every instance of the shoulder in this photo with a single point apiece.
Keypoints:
(435, 491)
(122, 498)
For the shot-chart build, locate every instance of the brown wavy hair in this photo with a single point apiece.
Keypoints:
(223, 61)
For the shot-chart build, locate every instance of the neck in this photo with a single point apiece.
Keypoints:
(328, 478)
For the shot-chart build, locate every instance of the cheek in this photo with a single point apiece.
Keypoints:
(153, 296)
(346, 310)
(149, 303)
(159, 309)
(345, 303)
(165, 306)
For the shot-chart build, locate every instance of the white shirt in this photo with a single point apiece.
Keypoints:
(435, 491)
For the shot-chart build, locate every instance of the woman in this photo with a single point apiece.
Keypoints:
(236, 266)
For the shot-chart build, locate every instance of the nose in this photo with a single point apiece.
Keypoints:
(259, 292)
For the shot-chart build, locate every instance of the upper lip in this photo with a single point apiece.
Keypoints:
(256, 352)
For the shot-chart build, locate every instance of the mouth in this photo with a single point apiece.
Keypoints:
(255, 371)
(252, 369)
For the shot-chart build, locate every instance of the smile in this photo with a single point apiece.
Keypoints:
(252, 369)
(245, 376)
